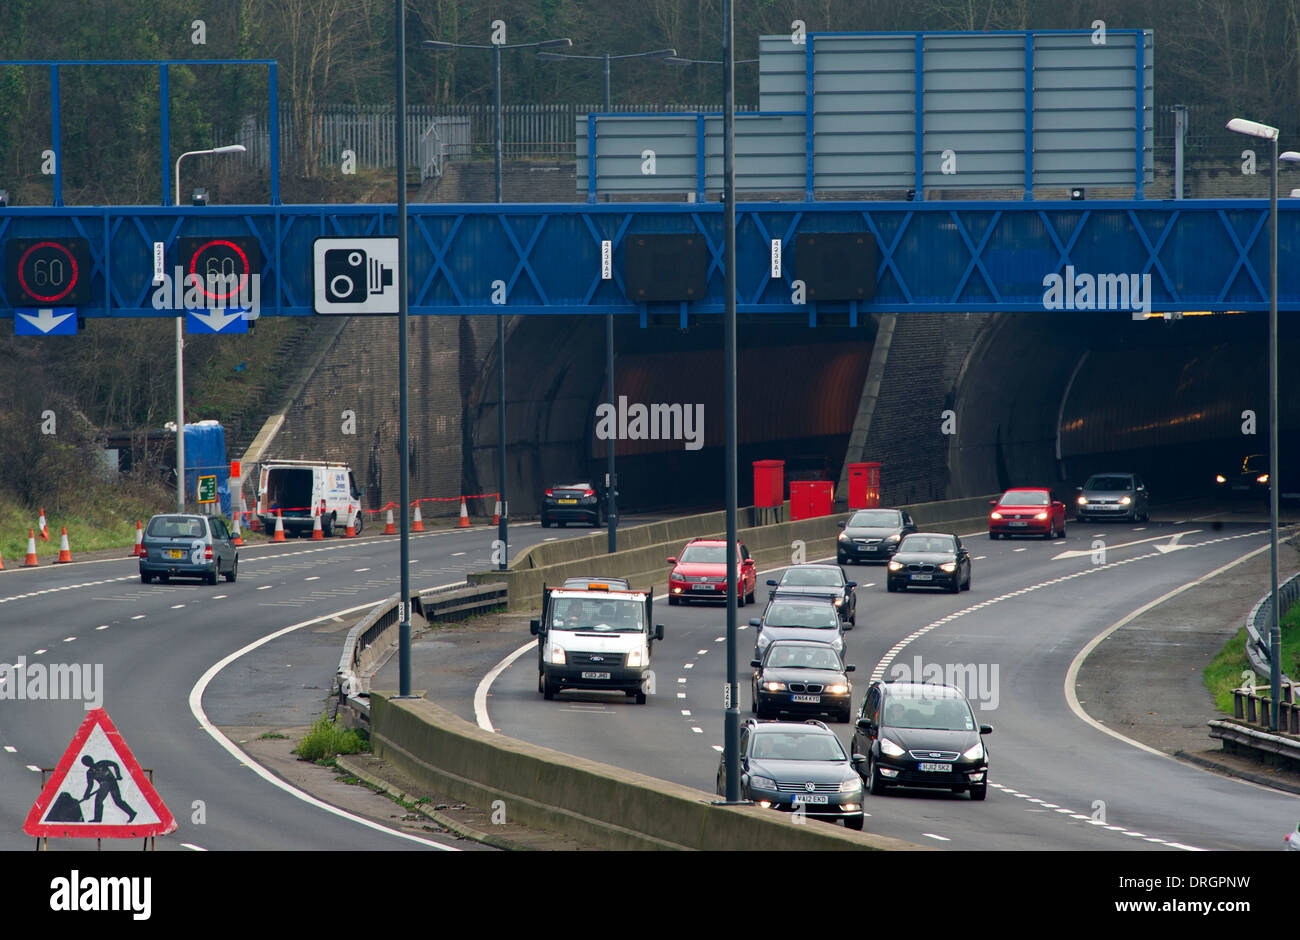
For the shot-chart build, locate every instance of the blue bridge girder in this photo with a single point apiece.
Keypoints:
(961, 256)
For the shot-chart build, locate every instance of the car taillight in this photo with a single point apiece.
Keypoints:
(207, 553)
(549, 493)
(588, 492)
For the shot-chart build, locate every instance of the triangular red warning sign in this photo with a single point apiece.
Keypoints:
(98, 791)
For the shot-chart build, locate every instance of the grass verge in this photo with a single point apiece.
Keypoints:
(327, 740)
(1224, 673)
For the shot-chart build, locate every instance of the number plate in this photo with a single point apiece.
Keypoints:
(707, 587)
(922, 577)
(1017, 525)
(809, 798)
(175, 553)
(566, 502)
(936, 768)
(806, 699)
(595, 675)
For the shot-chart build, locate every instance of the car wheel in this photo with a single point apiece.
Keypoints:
(546, 523)
(740, 596)
(854, 822)
(563, 525)
(750, 599)
(968, 577)
(978, 793)
(541, 682)
(548, 691)
(640, 696)
(1062, 529)
(233, 572)
(841, 560)
(890, 586)
(164, 578)
(877, 784)
(358, 521)
(956, 584)
(327, 526)
(993, 536)
(146, 578)
(673, 601)
(215, 574)
(845, 716)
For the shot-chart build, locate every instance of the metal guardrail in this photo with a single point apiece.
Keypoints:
(1259, 624)
(451, 603)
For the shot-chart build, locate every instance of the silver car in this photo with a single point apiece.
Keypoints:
(182, 545)
(1113, 496)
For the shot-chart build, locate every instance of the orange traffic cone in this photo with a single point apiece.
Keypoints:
(464, 515)
(496, 513)
(31, 550)
(40, 524)
(351, 531)
(2, 564)
(279, 528)
(138, 551)
(239, 535)
(417, 524)
(389, 528)
(65, 553)
(317, 534)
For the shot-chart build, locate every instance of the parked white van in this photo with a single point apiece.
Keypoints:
(299, 489)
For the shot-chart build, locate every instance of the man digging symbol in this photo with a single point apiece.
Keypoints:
(105, 773)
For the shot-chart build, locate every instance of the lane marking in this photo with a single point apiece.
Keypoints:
(192, 847)
(933, 836)
(481, 692)
(41, 652)
(196, 708)
(11, 749)
(33, 768)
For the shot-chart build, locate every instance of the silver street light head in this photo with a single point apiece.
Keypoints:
(1252, 128)
(231, 148)
(1289, 157)
(555, 43)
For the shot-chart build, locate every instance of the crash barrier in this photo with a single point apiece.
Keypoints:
(600, 805)
(372, 638)
(644, 549)
(1259, 624)
(1270, 747)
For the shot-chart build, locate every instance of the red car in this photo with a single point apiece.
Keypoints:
(700, 573)
(1027, 511)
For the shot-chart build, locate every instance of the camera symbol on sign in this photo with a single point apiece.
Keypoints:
(351, 274)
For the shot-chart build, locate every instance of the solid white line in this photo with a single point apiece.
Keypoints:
(481, 692)
(933, 836)
(192, 847)
(196, 707)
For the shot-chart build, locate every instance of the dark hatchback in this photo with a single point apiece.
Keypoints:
(794, 766)
(872, 535)
(798, 618)
(826, 582)
(573, 502)
(916, 734)
(802, 676)
(188, 546)
(930, 559)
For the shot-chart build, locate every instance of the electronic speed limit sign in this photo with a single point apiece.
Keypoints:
(224, 265)
(43, 272)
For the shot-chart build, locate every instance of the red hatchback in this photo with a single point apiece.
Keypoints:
(700, 573)
(1027, 511)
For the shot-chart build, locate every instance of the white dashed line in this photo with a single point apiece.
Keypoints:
(219, 597)
(138, 617)
(697, 730)
(314, 577)
(700, 652)
(69, 639)
(719, 639)
(686, 712)
(1020, 549)
(681, 695)
(266, 587)
(457, 554)
(102, 626)
(718, 748)
(931, 835)
(40, 652)
(689, 666)
(33, 768)
(192, 847)
(360, 570)
(681, 678)
(177, 606)
(11, 749)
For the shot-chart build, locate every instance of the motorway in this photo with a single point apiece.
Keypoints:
(156, 642)
(1056, 782)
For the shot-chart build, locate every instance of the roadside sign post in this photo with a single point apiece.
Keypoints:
(207, 489)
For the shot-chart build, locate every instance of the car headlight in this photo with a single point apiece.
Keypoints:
(839, 601)
(761, 643)
(895, 566)
(995, 515)
(557, 656)
(634, 658)
(893, 538)
(1262, 478)
(774, 686)
(1083, 500)
(976, 752)
(838, 688)
(851, 785)
(948, 566)
(837, 644)
(761, 782)
(844, 536)
(1220, 478)
(1125, 500)
(890, 748)
(1040, 516)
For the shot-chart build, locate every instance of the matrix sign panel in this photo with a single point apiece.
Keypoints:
(224, 264)
(42, 272)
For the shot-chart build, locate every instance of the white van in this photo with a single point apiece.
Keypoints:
(298, 488)
(596, 637)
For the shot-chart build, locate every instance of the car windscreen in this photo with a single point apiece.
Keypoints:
(1109, 483)
(1024, 499)
(813, 577)
(927, 543)
(706, 554)
(600, 615)
(176, 527)
(797, 745)
(813, 616)
(929, 712)
(876, 518)
(791, 656)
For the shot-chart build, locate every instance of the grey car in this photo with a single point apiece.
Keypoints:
(181, 545)
(1113, 496)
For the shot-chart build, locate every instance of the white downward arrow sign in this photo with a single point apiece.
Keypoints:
(1171, 546)
(45, 319)
(217, 320)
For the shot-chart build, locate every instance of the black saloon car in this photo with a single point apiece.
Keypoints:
(573, 502)
(821, 581)
(802, 676)
(916, 734)
(930, 559)
(872, 535)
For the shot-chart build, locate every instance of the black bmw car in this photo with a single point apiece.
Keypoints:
(802, 676)
(573, 502)
(872, 535)
(820, 581)
(930, 559)
(921, 734)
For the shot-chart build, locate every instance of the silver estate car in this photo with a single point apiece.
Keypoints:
(181, 545)
(1113, 496)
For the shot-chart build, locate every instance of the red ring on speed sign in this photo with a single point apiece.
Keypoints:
(243, 278)
(52, 297)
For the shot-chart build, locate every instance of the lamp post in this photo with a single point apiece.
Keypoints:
(180, 343)
(1265, 132)
(503, 521)
(677, 60)
(611, 479)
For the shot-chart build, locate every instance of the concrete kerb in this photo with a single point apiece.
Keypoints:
(595, 803)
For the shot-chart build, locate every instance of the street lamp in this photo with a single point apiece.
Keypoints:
(1265, 132)
(676, 60)
(180, 343)
(611, 480)
(503, 520)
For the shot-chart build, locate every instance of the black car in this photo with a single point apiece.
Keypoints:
(573, 502)
(798, 618)
(930, 559)
(185, 545)
(789, 766)
(802, 676)
(825, 581)
(920, 734)
(872, 535)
